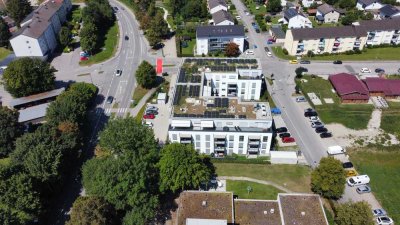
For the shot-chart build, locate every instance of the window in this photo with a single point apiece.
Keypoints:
(241, 138)
(174, 137)
(265, 139)
(230, 144)
(197, 137)
(253, 85)
(207, 144)
(253, 91)
(264, 146)
(231, 138)
(243, 85)
(207, 137)
(240, 145)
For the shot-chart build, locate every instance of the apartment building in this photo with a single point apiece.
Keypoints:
(342, 39)
(215, 38)
(216, 108)
(38, 36)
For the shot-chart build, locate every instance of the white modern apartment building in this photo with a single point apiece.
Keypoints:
(38, 36)
(219, 116)
(215, 38)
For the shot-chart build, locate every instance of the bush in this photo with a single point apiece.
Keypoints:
(285, 51)
(310, 53)
(268, 19)
(232, 7)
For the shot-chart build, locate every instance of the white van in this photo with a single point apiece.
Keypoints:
(358, 180)
(334, 150)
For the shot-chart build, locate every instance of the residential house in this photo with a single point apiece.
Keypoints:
(294, 19)
(349, 88)
(215, 38)
(222, 18)
(217, 5)
(327, 14)
(38, 36)
(389, 11)
(368, 4)
(277, 33)
(307, 3)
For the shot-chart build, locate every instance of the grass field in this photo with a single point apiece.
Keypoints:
(109, 46)
(354, 116)
(188, 51)
(138, 94)
(370, 54)
(383, 168)
(390, 121)
(4, 53)
(279, 53)
(295, 178)
(259, 191)
(252, 8)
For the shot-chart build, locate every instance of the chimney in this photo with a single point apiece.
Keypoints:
(303, 213)
(265, 212)
(204, 203)
(272, 211)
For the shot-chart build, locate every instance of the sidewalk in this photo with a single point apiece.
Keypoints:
(133, 112)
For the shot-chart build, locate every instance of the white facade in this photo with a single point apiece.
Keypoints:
(307, 3)
(298, 21)
(379, 37)
(208, 44)
(225, 22)
(374, 5)
(218, 8)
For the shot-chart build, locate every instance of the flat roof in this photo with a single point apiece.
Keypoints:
(220, 31)
(36, 97)
(32, 113)
(191, 221)
(257, 212)
(205, 205)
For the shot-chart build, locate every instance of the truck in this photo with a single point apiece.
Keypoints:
(334, 150)
(358, 180)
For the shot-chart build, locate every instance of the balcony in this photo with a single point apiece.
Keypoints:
(253, 150)
(186, 140)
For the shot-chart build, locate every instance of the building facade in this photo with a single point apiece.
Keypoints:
(38, 36)
(327, 14)
(294, 19)
(216, 5)
(368, 4)
(215, 38)
(222, 18)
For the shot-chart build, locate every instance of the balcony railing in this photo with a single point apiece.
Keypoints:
(186, 141)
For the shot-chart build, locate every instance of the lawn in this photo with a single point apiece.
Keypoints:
(259, 191)
(188, 51)
(4, 53)
(294, 177)
(389, 53)
(109, 46)
(354, 116)
(278, 52)
(315, 24)
(4, 161)
(252, 8)
(383, 167)
(138, 94)
(390, 121)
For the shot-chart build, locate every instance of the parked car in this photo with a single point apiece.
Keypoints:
(151, 107)
(365, 70)
(326, 135)
(363, 189)
(151, 111)
(351, 173)
(314, 119)
(294, 61)
(384, 220)
(118, 73)
(83, 58)
(148, 124)
(249, 52)
(347, 165)
(310, 112)
(126, 37)
(281, 130)
(301, 99)
(282, 135)
(317, 124)
(238, 17)
(305, 62)
(257, 30)
(379, 212)
(272, 40)
(379, 70)
(266, 49)
(321, 130)
(110, 99)
(149, 116)
(288, 140)
(269, 54)
(398, 70)
(337, 62)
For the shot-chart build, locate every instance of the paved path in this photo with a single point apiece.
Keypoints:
(142, 102)
(257, 181)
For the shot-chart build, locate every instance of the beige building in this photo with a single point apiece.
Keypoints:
(327, 14)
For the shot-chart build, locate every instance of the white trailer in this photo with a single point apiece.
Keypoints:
(334, 150)
(358, 180)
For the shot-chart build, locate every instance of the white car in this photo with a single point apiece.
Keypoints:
(238, 17)
(247, 14)
(249, 52)
(365, 70)
(384, 220)
(118, 73)
(314, 119)
(257, 7)
(269, 54)
(151, 107)
(301, 99)
(148, 124)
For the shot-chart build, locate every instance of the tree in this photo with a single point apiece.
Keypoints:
(92, 210)
(5, 33)
(232, 50)
(181, 167)
(89, 37)
(367, 16)
(158, 29)
(268, 19)
(64, 36)
(328, 179)
(146, 75)
(347, 4)
(10, 216)
(331, 2)
(299, 71)
(310, 53)
(18, 9)
(9, 130)
(274, 6)
(350, 17)
(358, 213)
(27, 76)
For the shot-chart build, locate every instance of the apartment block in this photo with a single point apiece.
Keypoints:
(215, 108)
(215, 38)
(382, 31)
(38, 35)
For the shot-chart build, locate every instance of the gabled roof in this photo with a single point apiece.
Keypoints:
(325, 9)
(368, 2)
(328, 32)
(290, 13)
(221, 16)
(388, 10)
(220, 31)
(388, 87)
(389, 24)
(214, 3)
(349, 87)
(278, 32)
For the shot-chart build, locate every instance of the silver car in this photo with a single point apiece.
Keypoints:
(317, 124)
(363, 189)
(379, 212)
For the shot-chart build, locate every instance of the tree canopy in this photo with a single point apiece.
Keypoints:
(64, 36)
(181, 167)
(5, 33)
(18, 9)
(9, 130)
(232, 50)
(158, 29)
(27, 76)
(328, 179)
(274, 6)
(146, 75)
(358, 213)
(89, 37)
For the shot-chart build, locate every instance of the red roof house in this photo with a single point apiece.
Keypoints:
(383, 87)
(349, 88)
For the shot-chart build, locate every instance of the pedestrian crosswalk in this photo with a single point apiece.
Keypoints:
(111, 110)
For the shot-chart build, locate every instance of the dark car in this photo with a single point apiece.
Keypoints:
(282, 135)
(253, 23)
(281, 130)
(110, 99)
(257, 30)
(326, 135)
(126, 38)
(321, 130)
(305, 62)
(337, 62)
(379, 70)
(266, 49)
(347, 165)
(310, 113)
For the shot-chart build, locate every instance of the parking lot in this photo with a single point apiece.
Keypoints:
(161, 122)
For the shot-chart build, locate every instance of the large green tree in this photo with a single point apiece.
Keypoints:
(181, 167)
(328, 179)
(350, 213)
(158, 29)
(146, 75)
(92, 210)
(9, 130)
(9, 216)
(18, 9)
(89, 37)
(64, 36)
(5, 33)
(274, 6)
(27, 76)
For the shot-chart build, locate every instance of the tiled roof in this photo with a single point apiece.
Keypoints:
(214, 3)
(221, 16)
(220, 31)
(349, 87)
(388, 87)
(325, 9)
